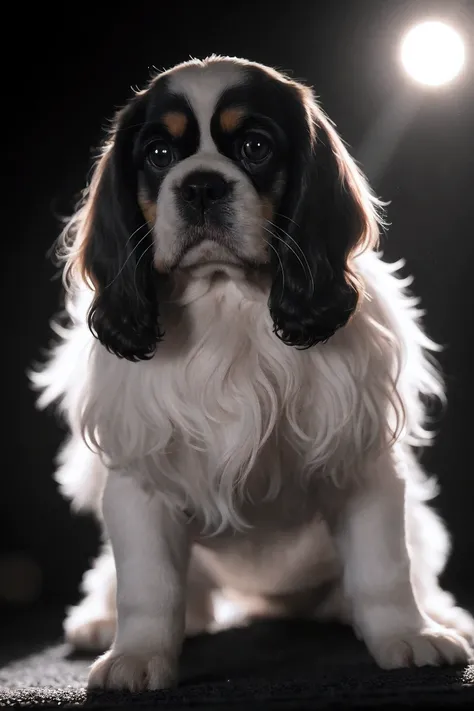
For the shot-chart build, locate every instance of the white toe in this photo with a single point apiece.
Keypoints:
(431, 647)
(132, 672)
(455, 618)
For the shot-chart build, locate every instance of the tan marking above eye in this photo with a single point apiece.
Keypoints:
(176, 123)
(230, 119)
(148, 208)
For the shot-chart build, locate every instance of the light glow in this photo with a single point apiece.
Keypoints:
(432, 53)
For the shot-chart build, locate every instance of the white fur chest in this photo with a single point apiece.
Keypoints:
(225, 409)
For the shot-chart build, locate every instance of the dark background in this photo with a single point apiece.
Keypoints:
(66, 69)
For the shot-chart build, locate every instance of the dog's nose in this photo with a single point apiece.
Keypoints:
(203, 188)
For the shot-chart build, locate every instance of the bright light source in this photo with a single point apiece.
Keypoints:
(432, 53)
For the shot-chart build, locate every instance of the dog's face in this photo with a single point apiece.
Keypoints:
(212, 160)
(222, 164)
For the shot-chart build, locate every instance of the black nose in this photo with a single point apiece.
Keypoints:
(202, 188)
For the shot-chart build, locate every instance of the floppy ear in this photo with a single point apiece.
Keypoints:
(108, 246)
(328, 216)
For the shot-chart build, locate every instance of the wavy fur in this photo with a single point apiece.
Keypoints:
(292, 466)
(330, 406)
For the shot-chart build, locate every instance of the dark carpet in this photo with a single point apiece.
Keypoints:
(271, 665)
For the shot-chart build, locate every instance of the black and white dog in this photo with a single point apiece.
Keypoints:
(244, 380)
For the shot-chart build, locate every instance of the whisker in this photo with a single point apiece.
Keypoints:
(129, 256)
(285, 217)
(150, 246)
(134, 233)
(304, 267)
(281, 264)
(142, 255)
(280, 239)
(299, 249)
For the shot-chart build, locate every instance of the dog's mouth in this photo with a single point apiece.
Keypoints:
(205, 257)
(211, 249)
(209, 252)
(208, 245)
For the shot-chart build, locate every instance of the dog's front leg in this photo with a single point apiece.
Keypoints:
(371, 534)
(151, 550)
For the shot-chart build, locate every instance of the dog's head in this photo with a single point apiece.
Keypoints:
(221, 165)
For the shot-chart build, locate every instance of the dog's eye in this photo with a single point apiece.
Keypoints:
(159, 154)
(256, 147)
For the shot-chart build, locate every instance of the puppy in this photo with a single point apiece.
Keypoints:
(244, 381)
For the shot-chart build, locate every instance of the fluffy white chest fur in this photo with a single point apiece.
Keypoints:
(258, 445)
(253, 440)
(225, 414)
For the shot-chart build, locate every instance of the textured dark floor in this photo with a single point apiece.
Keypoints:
(297, 665)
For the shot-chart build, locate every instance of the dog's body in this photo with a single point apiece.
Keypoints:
(229, 460)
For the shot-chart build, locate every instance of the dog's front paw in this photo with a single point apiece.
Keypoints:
(455, 618)
(431, 647)
(132, 672)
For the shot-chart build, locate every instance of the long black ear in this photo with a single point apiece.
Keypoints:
(109, 246)
(327, 216)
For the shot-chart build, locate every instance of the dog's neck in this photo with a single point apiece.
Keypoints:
(216, 281)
